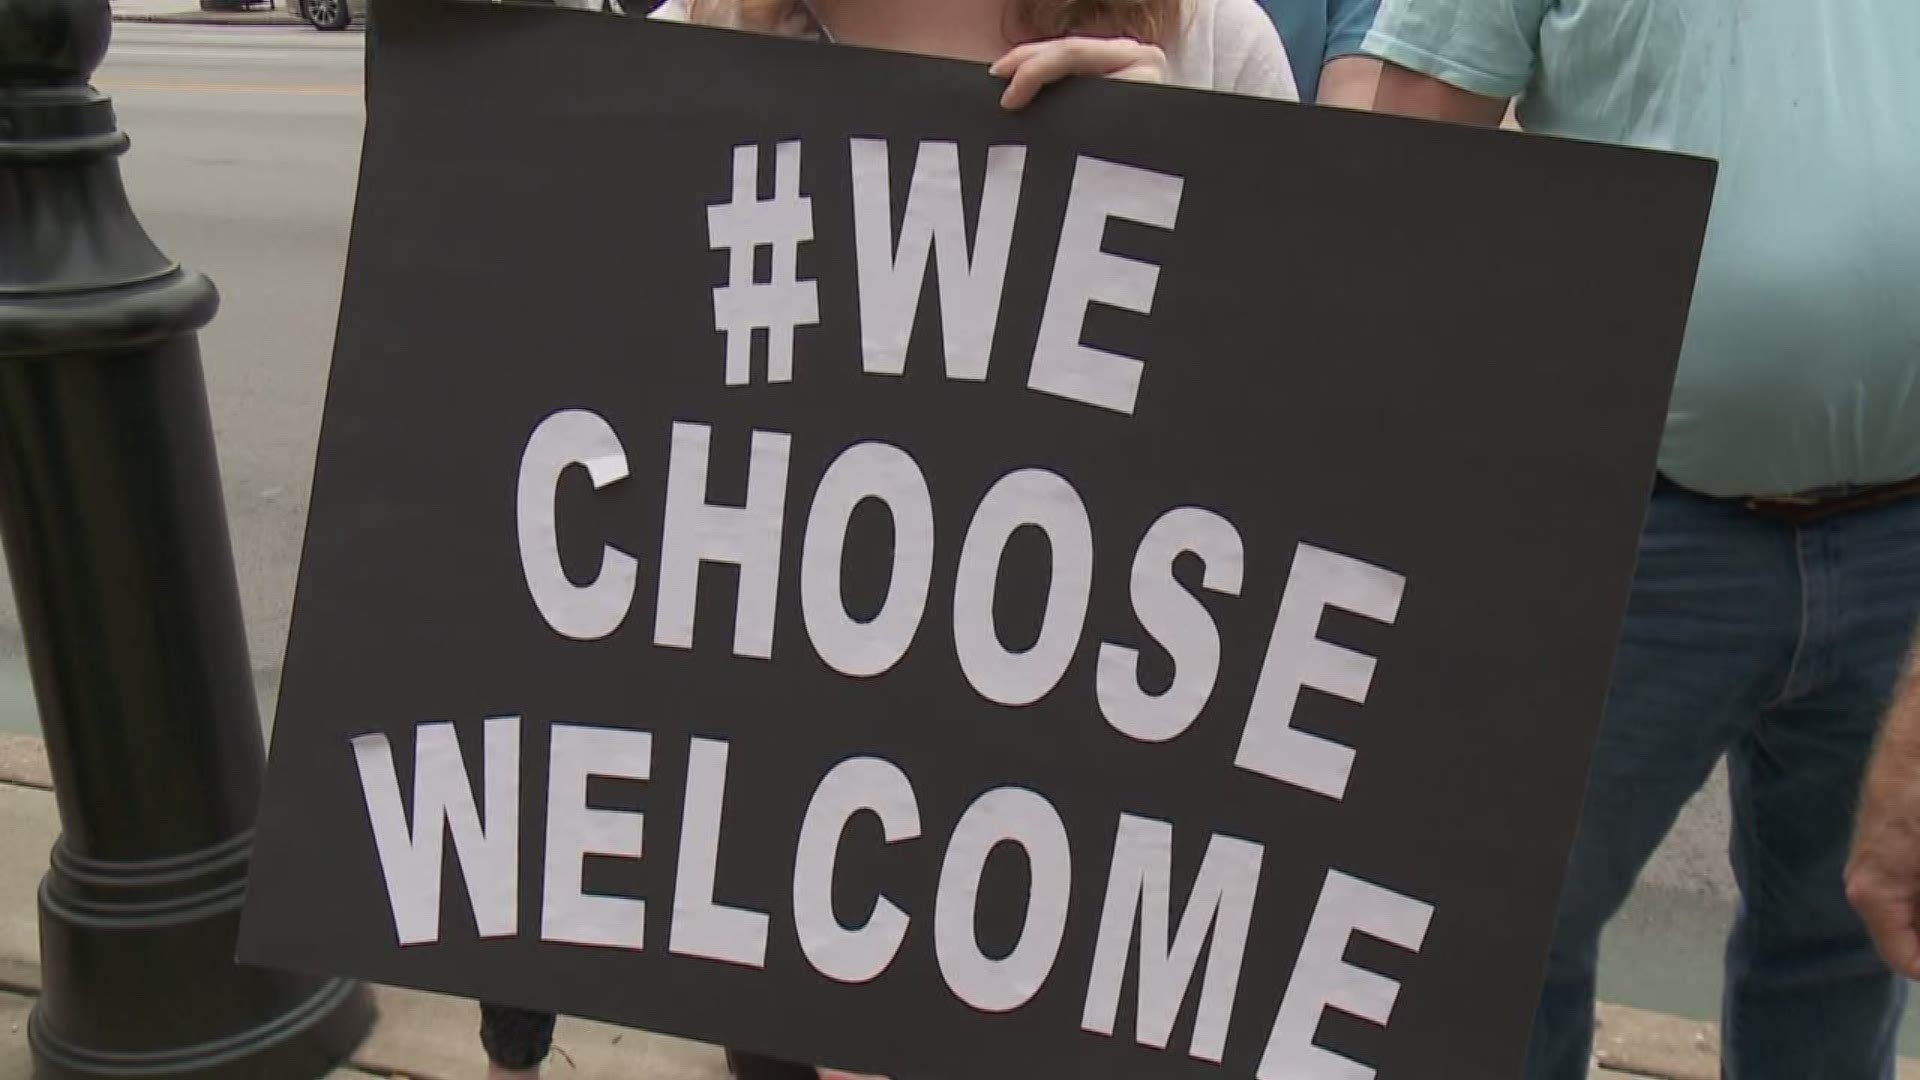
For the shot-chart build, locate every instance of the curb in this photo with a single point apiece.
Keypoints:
(275, 17)
(211, 18)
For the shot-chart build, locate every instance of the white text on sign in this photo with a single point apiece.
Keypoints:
(893, 266)
(1191, 952)
(1138, 908)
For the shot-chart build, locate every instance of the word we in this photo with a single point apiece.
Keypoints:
(893, 266)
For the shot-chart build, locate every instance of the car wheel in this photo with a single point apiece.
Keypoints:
(327, 14)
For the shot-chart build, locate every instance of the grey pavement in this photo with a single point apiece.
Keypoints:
(245, 154)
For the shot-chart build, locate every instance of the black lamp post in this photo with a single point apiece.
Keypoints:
(116, 536)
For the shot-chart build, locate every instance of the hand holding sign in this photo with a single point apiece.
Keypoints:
(1031, 67)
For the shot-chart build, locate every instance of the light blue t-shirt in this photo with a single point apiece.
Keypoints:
(1316, 31)
(1802, 362)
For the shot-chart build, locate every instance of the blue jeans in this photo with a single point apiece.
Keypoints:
(1778, 646)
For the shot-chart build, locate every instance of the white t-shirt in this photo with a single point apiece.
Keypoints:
(1227, 45)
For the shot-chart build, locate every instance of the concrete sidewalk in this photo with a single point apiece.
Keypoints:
(429, 1037)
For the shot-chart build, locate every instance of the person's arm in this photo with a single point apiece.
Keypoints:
(1883, 876)
(1349, 77)
(1461, 61)
(1349, 82)
(1405, 92)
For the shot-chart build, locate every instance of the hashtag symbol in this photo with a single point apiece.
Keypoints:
(741, 227)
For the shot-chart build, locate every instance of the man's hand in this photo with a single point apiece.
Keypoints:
(1883, 882)
(1883, 876)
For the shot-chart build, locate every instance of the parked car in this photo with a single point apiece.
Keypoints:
(329, 14)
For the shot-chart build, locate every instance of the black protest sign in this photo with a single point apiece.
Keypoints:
(804, 559)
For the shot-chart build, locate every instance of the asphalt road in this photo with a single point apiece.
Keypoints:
(245, 149)
(246, 145)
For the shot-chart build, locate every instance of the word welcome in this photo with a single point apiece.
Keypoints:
(1137, 913)
(1137, 917)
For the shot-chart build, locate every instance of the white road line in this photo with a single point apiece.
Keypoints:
(236, 56)
(137, 86)
(300, 42)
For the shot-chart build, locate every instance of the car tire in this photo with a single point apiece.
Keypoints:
(327, 14)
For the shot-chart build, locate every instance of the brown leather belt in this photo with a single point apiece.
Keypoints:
(1802, 509)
